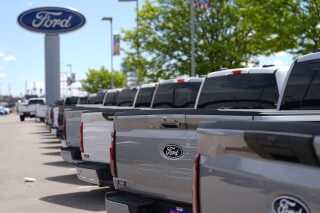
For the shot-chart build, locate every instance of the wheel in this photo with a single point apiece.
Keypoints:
(42, 120)
(21, 118)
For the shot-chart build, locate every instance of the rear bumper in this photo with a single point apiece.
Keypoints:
(71, 154)
(119, 202)
(95, 173)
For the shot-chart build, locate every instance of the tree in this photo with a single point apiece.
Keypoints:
(101, 79)
(223, 39)
(232, 33)
(293, 24)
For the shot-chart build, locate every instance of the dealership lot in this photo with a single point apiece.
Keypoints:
(34, 178)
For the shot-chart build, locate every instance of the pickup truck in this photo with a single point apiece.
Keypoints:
(95, 131)
(97, 127)
(41, 113)
(257, 166)
(70, 150)
(68, 102)
(152, 151)
(28, 109)
(274, 163)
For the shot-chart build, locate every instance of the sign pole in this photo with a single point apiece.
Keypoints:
(193, 64)
(52, 67)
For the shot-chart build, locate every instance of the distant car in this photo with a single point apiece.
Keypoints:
(3, 111)
(6, 109)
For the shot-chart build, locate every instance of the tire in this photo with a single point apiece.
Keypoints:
(42, 120)
(21, 118)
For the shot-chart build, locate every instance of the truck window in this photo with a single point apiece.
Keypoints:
(302, 91)
(82, 100)
(176, 95)
(111, 99)
(71, 100)
(99, 98)
(91, 100)
(41, 102)
(126, 97)
(245, 91)
(144, 97)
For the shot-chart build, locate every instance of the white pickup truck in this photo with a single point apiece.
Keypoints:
(70, 150)
(95, 130)
(41, 113)
(28, 109)
(57, 116)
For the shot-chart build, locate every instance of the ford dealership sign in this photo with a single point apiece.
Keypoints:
(51, 20)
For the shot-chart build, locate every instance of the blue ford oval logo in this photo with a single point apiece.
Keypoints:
(289, 204)
(172, 151)
(51, 20)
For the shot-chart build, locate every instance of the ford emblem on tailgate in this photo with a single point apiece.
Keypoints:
(284, 204)
(172, 151)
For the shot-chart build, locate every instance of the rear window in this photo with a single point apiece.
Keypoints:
(302, 91)
(71, 100)
(111, 98)
(176, 95)
(91, 100)
(82, 100)
(41, 102)
(144, 97)
(245, 91)
(99, 98)
(126, 97)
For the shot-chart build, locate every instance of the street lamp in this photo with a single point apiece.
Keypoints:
(110, 19)
(70, 66)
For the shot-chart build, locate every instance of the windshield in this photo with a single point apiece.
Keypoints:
(302, 89)
(245, 91)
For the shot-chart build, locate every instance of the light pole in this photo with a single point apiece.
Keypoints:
(137, 28)
(111, 37)
(193, 64)
(70, 66)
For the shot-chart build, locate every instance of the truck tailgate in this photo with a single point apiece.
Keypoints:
(73, 120)
(155, 152)
(96, 137)
(259, 167)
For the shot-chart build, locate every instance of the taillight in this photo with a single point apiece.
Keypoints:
(180, 80)
(81, 137)
(195, 185)
(236, 72)
(64, 128)
(113, 165)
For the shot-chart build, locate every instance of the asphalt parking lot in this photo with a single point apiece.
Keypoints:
(29, 151)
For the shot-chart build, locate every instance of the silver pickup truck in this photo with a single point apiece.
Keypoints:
(98, 126)
(257, 167)
(134, 171)
(153, 150)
